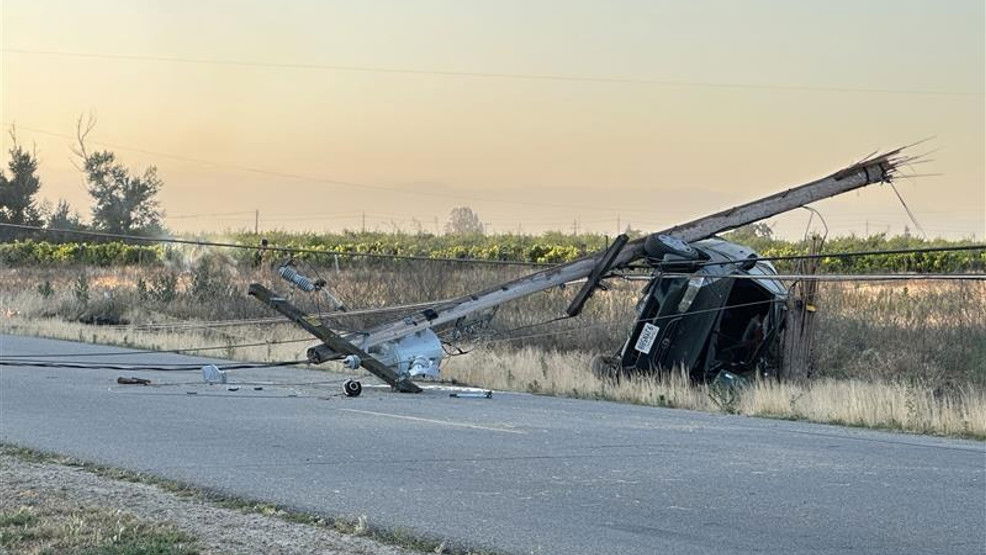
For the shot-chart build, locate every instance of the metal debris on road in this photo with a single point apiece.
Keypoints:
(484, 395)
(211, 374)
(131, 380)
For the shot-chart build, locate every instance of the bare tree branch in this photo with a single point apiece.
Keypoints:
(82, 131)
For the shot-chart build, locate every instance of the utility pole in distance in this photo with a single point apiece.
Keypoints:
(256, 222)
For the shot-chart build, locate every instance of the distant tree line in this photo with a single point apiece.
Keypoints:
(123, 200)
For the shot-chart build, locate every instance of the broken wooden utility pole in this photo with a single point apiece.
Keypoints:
(797, 360)
(879, 169)
(876, 170)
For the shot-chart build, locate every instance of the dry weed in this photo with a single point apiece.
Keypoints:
(896, 406)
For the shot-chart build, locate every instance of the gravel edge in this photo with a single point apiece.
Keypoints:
(219, 529)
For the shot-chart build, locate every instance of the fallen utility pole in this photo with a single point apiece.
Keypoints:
(879, 169)
(876, 170)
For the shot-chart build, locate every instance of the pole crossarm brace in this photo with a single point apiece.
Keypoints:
(603, 265)
(331, 339)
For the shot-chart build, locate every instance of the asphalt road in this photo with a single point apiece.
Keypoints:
(515, 473)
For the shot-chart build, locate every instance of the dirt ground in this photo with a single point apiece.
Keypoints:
(45, 486)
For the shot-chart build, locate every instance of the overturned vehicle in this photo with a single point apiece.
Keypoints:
(711, 306)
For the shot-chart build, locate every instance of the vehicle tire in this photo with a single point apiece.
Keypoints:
(606, 367)
(656, 245)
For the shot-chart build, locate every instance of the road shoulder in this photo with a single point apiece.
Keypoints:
(35, 487)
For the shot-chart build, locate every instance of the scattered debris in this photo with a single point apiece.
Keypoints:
(132, 380)
(211, 374)
(483, 395)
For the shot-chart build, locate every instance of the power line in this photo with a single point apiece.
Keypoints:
(170, 351)
(491, 75)
(300, 177)
(296, 250)
(634, 322)
(313, 179)
(829, 277)
(277, 320)
(918, 250)
(144, 368)
(214, 214)
(635, 277)
(852, 254)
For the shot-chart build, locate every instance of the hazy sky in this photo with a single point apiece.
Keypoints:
(712, 103)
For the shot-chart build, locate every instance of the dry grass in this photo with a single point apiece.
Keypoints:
(893, 406)
(48, 523)
(929, 332)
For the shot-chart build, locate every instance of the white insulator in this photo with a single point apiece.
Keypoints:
(301, 282)
(352, 362)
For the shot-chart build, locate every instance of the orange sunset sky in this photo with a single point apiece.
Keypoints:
(537, 114)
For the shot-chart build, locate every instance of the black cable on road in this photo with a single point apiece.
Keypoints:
(171, 351)
(145, 368)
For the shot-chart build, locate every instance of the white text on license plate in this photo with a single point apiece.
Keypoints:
(646, 339)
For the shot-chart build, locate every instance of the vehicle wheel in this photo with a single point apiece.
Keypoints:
(657, 245)
(605, 366)
(352, 388)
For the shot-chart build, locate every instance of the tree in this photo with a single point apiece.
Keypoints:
(123, 202)
(463, 221)
(63, 217)
(17, 204)
(756, 230)
(759, 236)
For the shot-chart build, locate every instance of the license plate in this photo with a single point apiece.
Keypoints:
(646, 338)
